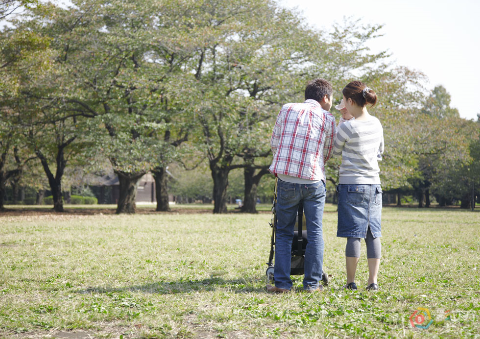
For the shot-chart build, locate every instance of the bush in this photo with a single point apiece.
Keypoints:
(82, 191)
(77, 200)
(407, 199)
(74, 200)
(90, 201)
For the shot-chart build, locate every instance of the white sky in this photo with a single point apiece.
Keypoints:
(440, 38)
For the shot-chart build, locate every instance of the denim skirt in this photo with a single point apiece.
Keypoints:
(359, 207)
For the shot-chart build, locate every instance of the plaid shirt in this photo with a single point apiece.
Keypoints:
(302, 140)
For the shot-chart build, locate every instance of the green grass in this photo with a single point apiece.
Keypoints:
(203, 276)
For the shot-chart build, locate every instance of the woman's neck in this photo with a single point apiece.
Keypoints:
(360, 113)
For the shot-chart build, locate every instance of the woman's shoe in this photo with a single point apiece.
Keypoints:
(372, 287)
(351, 286)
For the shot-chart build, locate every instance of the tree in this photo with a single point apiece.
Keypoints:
(195, 184)
(246, 74)
(252, 175)
(7, 173)
(123, 62)
(440, 137)
(455, 175)
(8, 7)
(56, 142)
(438, 104)
(442, 149)
(24, 58)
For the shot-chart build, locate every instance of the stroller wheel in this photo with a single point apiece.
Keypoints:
(324, 278)
(270, 272)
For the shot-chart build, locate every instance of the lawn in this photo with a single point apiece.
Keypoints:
(199, 275)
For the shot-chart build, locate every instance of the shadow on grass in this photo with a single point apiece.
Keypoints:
(183, 286)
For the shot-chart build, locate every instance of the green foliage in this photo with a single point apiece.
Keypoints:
(194, 184)
(148, 83)
(123, 75)
(8, 7)
(83, 191)
(438, 104)
(442, 146)
(75, 200)
(79, 200)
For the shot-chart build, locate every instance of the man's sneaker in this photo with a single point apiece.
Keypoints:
(351, 286)
(275, 289)
(313, 290)
(372, 287)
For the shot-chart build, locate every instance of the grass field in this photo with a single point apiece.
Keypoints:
(174, 275)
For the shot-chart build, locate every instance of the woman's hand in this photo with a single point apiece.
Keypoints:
(345, 114)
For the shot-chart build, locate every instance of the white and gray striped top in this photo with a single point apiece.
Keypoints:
(360, 142)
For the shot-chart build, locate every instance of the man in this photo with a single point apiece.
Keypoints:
(302, 141)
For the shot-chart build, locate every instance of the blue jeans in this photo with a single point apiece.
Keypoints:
(289, 196)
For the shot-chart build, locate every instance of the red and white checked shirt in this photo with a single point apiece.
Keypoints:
(302, 140)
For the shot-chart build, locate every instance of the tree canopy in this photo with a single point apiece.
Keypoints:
(144, 85)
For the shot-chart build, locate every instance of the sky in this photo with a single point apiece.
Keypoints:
(440, 38)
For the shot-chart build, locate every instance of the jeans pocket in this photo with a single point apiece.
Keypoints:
(356, 194)
(378, 196)
(286, 192)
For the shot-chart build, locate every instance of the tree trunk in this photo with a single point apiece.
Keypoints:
(250, 191)
(420, 198)
(40, 197)
(161, 189)
(15, 191)
(55, 182)
(466, 201)
(4, 176)
(128, 191)
(2, 191)
(251, 184)
(473, 197)
(56, 188)
(220, 184)
(67, 197)
(399, 199)
(427, 198)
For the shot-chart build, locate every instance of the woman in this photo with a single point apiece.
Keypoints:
(360, 142)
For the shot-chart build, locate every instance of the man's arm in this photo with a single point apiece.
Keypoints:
(330, 132)
(277, 131)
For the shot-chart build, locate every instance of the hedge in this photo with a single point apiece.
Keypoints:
(75, 200)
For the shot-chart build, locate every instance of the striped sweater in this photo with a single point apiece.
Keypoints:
(360, 142)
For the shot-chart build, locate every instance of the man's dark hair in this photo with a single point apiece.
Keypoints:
(317, 89)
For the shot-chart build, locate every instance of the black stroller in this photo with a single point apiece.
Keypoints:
(299, 244)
